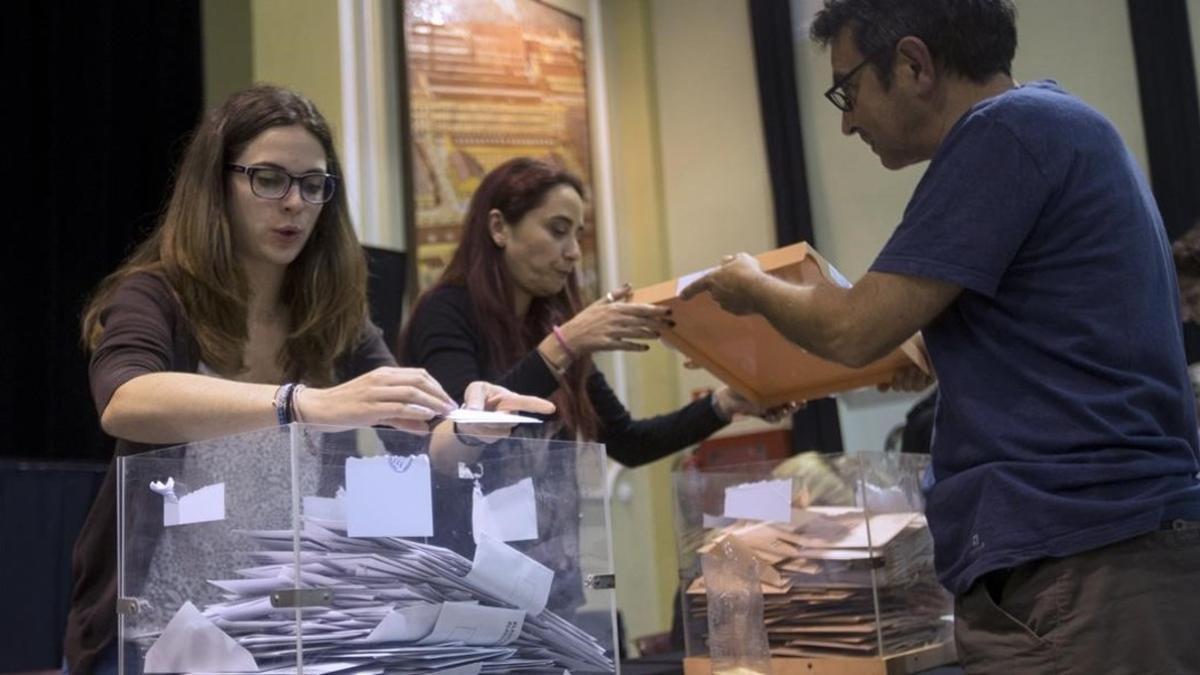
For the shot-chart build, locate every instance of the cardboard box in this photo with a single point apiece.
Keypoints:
(749, 355)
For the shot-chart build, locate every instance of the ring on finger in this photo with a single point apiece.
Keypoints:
(608, 298)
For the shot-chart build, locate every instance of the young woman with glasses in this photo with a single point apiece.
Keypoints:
(245, 308)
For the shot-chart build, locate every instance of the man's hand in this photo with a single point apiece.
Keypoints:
(731, 284)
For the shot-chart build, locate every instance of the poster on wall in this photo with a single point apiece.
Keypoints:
(486, 81)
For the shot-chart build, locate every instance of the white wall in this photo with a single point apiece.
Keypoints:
(690, 184)
(716, 189)
(1085, 45)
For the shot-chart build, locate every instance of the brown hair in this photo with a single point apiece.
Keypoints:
(515, 188)
(324, 289)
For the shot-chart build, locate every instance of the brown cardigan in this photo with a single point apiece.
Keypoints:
(145, 331)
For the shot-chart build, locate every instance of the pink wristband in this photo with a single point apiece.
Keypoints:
(563, 341)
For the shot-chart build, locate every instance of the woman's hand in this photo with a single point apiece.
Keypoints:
(405, 398)
(609, 324)
(488, 396)
(730, 403)
(469, 439)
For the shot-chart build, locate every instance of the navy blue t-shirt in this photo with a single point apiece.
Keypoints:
(1065, 419)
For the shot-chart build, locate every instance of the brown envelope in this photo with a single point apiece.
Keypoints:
(749, 355)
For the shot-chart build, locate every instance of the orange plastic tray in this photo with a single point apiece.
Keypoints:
(749, 355)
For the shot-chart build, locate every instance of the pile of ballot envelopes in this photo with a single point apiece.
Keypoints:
(397, 606)
(839, 581)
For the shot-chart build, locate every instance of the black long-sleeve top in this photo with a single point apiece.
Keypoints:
(444, 338)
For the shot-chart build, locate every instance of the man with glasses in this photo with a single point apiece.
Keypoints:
(1064, 501)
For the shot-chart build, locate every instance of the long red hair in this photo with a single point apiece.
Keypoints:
(515, 188)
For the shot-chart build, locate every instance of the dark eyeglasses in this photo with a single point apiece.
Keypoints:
(271, 183)
(838, 95)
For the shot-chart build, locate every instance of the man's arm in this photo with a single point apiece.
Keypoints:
(852, 326)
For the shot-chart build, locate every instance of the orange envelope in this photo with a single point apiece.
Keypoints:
(749, 355)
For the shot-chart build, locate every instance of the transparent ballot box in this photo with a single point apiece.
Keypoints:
(306, 549)
(817, 564)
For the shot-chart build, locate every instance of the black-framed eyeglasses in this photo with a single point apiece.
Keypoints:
(269, 182)
(838, 95)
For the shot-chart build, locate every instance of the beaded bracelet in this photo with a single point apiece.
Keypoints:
(283, 403)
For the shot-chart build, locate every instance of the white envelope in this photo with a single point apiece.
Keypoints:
(464, 416)
(511, 575)
(191, 642)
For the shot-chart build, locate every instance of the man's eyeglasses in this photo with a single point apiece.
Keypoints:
(838, 95)
(271, 183)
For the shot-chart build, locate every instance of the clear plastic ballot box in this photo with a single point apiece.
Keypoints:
(321, 550)
(817, 564)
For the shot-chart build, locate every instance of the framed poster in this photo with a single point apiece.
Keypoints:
(486, 81)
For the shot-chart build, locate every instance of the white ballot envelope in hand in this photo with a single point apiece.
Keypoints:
(464, 416)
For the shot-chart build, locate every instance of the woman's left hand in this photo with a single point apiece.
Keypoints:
(730, 403)
(487, 396)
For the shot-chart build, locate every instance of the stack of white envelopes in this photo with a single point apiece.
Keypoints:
(397, 606)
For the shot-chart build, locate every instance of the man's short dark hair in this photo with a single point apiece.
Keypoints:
(972, 38)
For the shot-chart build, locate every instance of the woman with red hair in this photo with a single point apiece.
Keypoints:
(508, 309)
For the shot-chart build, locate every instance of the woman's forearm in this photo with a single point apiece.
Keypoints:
(184, 407)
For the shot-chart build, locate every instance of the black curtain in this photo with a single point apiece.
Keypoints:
(42, 507)
(100, 97)
(816, 427)
(1171, 116)
(387, 274)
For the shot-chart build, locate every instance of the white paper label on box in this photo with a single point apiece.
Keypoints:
(200, 506)
(507, 514)
(389, 496)
(769, 500)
